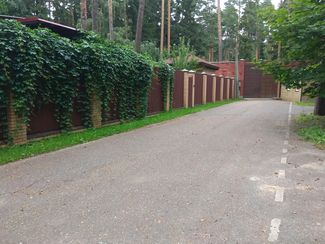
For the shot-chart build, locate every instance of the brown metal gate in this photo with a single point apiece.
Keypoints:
(258, 85)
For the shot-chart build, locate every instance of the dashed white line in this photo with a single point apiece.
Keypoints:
(285, 142)
(274, 230)
(284, 150)
(284, 160)
(282, 174)
(279, 193)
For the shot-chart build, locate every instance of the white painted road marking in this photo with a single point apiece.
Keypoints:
(285, 142)
(284, 160)
(284, 150)
(279, 194)
(282, 174)
(274, 230)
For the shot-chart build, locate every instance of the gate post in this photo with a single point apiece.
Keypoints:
(204, 88)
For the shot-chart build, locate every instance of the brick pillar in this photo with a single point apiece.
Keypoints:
(204, 88)
(96, 111)
(185, 93)
(232, 88)
(214, 87)
(168, 97)
(228, 88)
(192, 73)
(222, 80)
(17, 129)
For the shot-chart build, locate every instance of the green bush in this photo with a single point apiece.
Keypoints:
(40, 67)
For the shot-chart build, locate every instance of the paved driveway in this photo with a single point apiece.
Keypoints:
(232, 174)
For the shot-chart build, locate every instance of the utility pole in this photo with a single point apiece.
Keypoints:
(237, 53)
(219, 32)
(110, 19)
(162, 27)
(168, 30)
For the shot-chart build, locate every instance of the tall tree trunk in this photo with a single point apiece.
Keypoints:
(168, 25)
(219, 33)
(162, 27)
(110, 19)
(95, 15)
(83, 14)
(138, 34)
(126, 26)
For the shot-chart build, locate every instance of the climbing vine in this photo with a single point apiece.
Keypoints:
(39, 67)
(166, 77)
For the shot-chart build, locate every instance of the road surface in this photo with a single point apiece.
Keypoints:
(233, 174)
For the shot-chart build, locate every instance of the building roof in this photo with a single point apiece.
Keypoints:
(201, 62)
(63, 30)
(35, 22)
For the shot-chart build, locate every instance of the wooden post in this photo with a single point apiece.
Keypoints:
(204, 88)
(222, 80)
(214, 87)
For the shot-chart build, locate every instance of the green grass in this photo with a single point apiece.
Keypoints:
(312, 128)
(305, 103)
(16, 152)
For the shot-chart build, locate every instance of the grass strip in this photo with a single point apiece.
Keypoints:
(305, 103)
(49, 144)
(312, 128)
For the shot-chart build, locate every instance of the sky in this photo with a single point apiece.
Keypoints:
(275, 3)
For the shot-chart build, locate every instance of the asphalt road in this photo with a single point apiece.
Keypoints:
(218, 176)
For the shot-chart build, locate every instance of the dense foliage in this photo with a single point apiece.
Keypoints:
(195, 20)
(40, 67)
(298, 26)
(166, 77)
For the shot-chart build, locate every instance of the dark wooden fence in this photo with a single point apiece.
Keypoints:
(43, 122)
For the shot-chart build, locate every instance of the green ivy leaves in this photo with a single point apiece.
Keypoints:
(40, 67)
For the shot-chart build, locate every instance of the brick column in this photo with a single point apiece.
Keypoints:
(96, 111)
(185, 92)
(228, 88)
(192, 73)
(17, 129)
(204, 88)
(214, 87)
(168, 97)
(222, 80)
